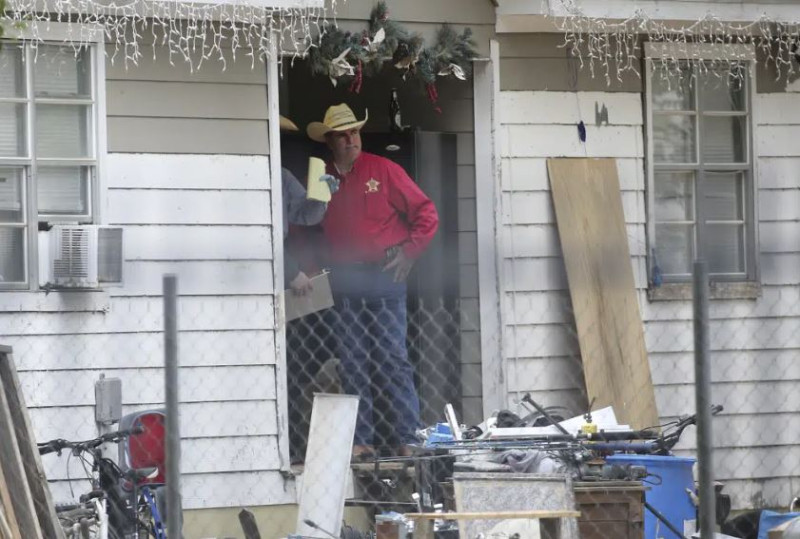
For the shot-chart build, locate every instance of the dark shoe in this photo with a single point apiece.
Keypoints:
(363, 453)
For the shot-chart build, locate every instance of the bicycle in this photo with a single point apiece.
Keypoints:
(107, 512)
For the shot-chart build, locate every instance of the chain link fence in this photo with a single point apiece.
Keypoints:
(246, 419)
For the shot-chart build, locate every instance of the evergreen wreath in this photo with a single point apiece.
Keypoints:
(352, 56)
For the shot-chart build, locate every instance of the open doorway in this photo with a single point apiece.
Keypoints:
(437, 151)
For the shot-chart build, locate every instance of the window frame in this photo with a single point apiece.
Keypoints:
(655, 52)
(60, 34)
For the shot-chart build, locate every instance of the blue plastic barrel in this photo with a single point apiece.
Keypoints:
(670, 497)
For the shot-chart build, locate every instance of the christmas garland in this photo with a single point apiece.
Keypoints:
(345, 55)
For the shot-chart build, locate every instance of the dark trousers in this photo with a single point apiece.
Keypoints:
(370, 327)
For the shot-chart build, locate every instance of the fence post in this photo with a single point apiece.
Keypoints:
(174, 510)
(702, 390)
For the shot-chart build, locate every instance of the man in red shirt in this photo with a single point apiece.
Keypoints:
(377, 224)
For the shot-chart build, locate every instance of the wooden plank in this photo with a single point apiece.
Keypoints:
(610, 330)
(181, 242)
(189, 207)
(569, 108)
(142, 350)
(186, 100)
(183, 135)
(780, 268)
(563, 141)
(10, 526)
(211, 278)
(166, 171)
(156, 64)
(145, 386)
(33, 506)
(530, 174)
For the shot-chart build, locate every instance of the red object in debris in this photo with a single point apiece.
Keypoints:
(147, 450)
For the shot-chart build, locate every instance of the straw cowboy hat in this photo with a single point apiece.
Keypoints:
(288, 125)
(337, 118)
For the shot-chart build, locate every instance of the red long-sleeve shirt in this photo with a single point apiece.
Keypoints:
(376, 207)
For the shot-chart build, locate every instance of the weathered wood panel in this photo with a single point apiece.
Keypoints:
(188, 207)
(165, 171)
(187, 136)
(735, 334)
(729, 366)
(562, 75)
(777, 141)
(594, 240)
(779, 204)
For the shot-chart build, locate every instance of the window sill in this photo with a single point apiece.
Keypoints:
(719, 290)
(16, 301)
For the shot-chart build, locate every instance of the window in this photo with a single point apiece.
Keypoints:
(48, 148)
(700, 167)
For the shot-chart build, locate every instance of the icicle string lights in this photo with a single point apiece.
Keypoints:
(613, 49)
(192, 32)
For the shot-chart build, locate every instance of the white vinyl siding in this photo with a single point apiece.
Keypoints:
(755, 343)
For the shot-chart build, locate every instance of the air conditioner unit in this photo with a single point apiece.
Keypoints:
(80, 256)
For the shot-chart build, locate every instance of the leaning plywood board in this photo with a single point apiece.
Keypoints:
(47, 524)
(591, 226)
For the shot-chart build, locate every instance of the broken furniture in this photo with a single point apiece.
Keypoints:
(549, 521)
(27, 507)
(500, 492)
(610, 509)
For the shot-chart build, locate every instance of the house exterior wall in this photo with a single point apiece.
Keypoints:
(754, 342)
(188, 177)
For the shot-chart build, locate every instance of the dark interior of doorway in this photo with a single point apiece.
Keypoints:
(430, 158)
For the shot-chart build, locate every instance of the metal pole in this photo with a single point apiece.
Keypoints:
(174, 511)
(702, 390)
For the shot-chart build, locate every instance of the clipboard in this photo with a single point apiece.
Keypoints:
(317, 189)
(319, 299)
